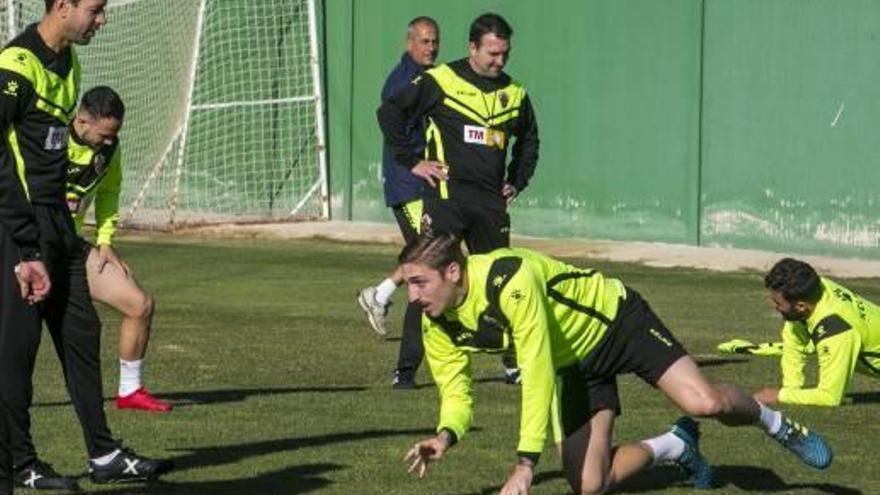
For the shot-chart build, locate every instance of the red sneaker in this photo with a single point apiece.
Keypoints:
(141, 399)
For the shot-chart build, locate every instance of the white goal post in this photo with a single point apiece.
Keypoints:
(224, 116)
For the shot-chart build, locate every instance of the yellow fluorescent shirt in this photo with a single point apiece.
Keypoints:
(844, 333)
(95, 176)
(553, 313)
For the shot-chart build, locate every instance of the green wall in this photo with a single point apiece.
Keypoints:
(712, 122)
(791, 113)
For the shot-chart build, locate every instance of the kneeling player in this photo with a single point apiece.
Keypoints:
(586, 329)
(95, 174)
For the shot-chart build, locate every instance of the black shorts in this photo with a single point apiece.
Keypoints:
(636, 342)
(484, 228)
(409, 219)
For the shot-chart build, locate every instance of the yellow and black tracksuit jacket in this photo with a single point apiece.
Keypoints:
(553, 313)
(471, 123)
(38, 92)
(94, 175)
(844, 333)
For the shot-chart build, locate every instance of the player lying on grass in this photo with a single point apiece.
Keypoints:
(95, 175)
(826, 319)
(585, 329)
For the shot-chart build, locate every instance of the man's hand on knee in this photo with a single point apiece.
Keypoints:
(106, 255)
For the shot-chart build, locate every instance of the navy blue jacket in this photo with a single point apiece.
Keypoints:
(400, 185)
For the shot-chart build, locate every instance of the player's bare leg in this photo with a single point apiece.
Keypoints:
(592, 465)
(120, 290)
(685, 384)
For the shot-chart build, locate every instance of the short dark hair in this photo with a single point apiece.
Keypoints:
(51, 3)
(103, 102)
(795, 280)
(437, 250)
(490, 23)
(422, 19)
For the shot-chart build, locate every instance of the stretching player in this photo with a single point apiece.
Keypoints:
(585, 329)
(823, 318)
(95, 176)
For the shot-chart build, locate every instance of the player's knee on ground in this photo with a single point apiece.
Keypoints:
(593, 484)
(594, 478)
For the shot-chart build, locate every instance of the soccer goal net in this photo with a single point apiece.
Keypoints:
(223, 107)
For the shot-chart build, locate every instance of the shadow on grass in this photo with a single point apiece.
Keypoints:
(486, 379)
(865, 397)
(295, 479)
(660, 479)
(758, 479)
(184, 399)
(712, 362)
(745, 478)
(539, 478)
(199, 457)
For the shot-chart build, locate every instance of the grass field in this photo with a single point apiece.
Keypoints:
(280, 386)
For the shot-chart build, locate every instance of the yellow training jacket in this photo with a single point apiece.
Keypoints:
(844, 329)
(552, 312)
(94, 175)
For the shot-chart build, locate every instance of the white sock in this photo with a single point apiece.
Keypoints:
(106, 459)
(129, 376)
(771, 420)
(384, 291)
(667, 447)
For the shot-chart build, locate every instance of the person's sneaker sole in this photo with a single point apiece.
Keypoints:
(365, 306)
